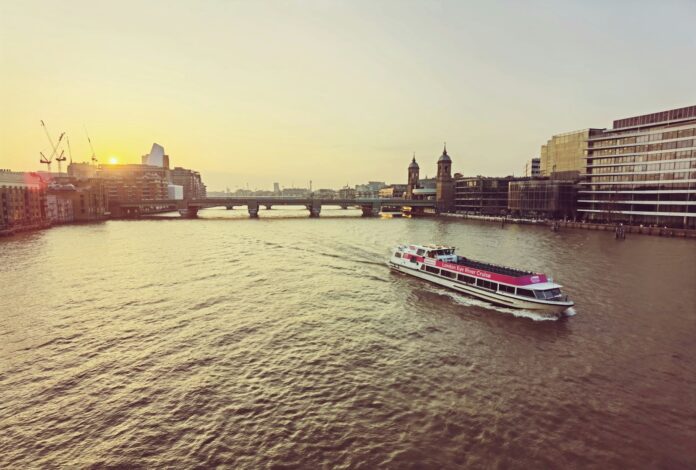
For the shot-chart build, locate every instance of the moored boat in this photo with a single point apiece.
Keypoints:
(500, 285)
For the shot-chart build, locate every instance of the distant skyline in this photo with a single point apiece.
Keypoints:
(336, 92)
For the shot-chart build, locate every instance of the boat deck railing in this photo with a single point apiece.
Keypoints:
(493, 268)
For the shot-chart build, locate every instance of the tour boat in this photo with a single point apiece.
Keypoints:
(497, 284)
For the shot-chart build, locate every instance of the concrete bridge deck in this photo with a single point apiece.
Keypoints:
(190, 208)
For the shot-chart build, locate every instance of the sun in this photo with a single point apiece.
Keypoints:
(113, 160)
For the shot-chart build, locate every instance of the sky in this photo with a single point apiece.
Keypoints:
(337, 92)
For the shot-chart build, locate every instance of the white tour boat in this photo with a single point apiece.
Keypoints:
(497, 284)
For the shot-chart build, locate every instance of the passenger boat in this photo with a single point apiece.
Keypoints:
(497, 284)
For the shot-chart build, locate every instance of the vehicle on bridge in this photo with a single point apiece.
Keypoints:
(500, 285)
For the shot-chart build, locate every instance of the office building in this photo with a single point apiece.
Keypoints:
(542, 198)
(533, 167)
(482, 195)
(563, 156)
(156, 157)
(643, 171)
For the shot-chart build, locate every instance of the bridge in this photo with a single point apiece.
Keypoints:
(190, 208)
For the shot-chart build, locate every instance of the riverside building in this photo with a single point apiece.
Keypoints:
(564, 155)
(643, 171)
(22, 202)
(542, 197)
(482, 195)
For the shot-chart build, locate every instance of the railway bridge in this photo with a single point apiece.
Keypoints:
(190, 208)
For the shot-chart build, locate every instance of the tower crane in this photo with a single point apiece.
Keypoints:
(47, 161)
(60, 159)
(94, 157)
(67, 141)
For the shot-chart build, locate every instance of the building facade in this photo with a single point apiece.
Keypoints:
(543, 198)
(393, 191)
(76, 200)
(191, 182)
(533, 167)
(482, 195)
(564, 155)
(643, 171)
(22, 202)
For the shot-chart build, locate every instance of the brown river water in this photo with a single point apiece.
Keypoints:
(286, 342)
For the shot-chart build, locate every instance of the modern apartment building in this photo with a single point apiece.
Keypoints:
(643, 171)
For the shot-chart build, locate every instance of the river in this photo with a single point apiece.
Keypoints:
(286, 342)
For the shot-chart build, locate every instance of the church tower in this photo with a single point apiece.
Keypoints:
(413, 171)
(444, 184)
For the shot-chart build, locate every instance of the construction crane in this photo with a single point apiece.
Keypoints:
(67, 141)
(60, 159)
(44, 159)
(94, 157)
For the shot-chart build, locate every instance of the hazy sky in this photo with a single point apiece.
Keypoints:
(334, 91)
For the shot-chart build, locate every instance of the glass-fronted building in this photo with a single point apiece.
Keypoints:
(564, 155)
(643, 171)
(544, 198)
(481, 195)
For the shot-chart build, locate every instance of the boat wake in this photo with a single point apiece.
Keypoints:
(519, 313)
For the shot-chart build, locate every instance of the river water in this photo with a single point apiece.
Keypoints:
(286, 342)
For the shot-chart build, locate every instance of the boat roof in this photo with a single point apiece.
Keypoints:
(430, 247)
(542, 286)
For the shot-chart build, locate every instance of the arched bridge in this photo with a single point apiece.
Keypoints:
(190, 208)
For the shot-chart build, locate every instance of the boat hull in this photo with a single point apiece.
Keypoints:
(546, 307)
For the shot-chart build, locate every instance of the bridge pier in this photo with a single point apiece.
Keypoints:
(253, 208)
(371, 210)
(314, 209)
(189, 212)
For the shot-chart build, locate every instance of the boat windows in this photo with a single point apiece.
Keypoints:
(525, 292)
(420, 252)
(430, 269)
(507, 289)
(397, 254)
(466, 279)
(413, 259)
(487, 284)
(449, 274)
(548, 294)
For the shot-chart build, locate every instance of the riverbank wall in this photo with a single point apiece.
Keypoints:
(635, 229)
